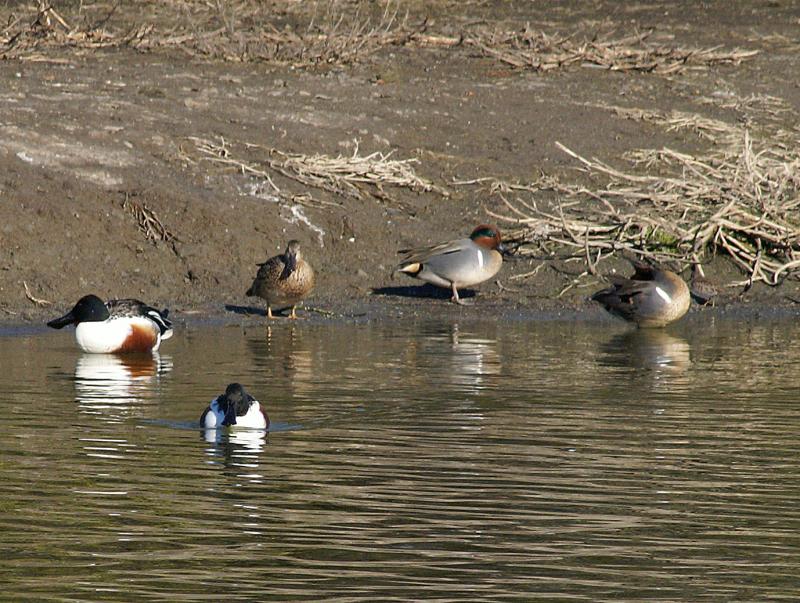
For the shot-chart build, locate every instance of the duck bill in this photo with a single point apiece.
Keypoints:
(60, 323)
(230, 415)
(503, 249)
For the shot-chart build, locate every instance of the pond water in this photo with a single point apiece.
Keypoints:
(438, 461)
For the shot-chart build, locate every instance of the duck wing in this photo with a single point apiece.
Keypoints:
(272, 269)
(622, 298)
(126, 307)
(269, 273)
(134, 307)
(421, 255)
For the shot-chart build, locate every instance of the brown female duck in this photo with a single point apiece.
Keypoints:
(283, 280)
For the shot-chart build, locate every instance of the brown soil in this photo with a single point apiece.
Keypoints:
(92, 137)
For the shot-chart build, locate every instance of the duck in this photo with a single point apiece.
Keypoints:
(283, 280)
(652, 297)
(115, 326)
(459, 263)
(234, 408)
(702, 290)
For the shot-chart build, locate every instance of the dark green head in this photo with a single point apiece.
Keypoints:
(487, 235)
(234, 403)
(89, 308)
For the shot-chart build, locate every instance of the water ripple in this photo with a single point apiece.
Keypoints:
(433, 461)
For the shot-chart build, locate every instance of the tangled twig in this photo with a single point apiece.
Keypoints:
(149, 223)
(246, 31)
(340, 175)
(743, 200)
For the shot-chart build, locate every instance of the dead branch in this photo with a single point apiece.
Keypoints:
(228, 32)
(740, 198)
(35, 300)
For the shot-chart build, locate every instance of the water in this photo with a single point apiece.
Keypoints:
(432, 461)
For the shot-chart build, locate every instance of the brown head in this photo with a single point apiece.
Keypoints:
(488, 235)
(290, 258)
(293, 249)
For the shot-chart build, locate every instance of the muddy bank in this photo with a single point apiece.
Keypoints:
(107, 184)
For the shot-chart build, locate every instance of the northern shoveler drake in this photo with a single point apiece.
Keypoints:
(652, 297)
(455, 264)
(234, 408)
(116, 326)
(283, 280)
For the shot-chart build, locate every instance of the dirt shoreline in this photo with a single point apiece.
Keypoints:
(106, 187)
(373, 311)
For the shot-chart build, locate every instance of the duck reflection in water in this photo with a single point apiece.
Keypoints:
(235, 450)
(465, 359)
(112, 385)
(235, 443)
(473, 359)
(285, 355)
(648, 349)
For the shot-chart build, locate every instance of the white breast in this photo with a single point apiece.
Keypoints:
(102, 337)
(214, 416)
(253, 419)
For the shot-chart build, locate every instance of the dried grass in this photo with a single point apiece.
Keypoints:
(246, 30)
(714, 130)
(27, 36)
(149, 223)
(228, 31)
(764, 105)
(743, 200)
(345, 176)
(539, 51)
(332, 38)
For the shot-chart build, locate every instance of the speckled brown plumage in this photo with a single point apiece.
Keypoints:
(283, 280)
(703, 291)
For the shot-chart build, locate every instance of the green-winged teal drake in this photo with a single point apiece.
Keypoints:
(456, 264)
(652, 297)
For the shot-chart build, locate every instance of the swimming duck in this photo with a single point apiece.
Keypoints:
(702, 290)
(118, 325)
(234, 407)
(652, 297)
(283, 280)
(455, 264)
